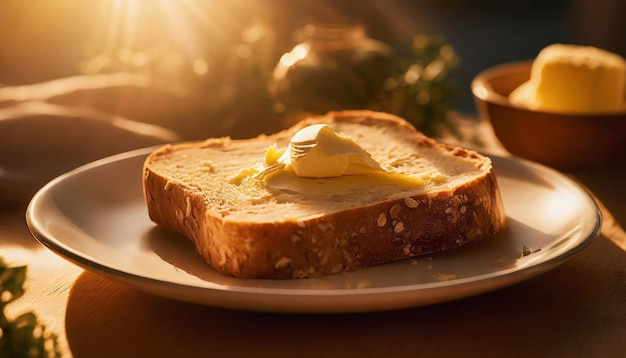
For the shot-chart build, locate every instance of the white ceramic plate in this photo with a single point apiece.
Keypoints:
(95, 216)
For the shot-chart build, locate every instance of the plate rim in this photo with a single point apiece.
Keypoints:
(202, 295)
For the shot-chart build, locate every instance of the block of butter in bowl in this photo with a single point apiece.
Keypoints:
(574, 79)
(566, 108)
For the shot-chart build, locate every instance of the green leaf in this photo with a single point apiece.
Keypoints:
(11, 283)
(22, 336)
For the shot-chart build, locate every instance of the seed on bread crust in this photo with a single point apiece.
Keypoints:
(282, 262)
(398, 228)
(187, 206)
(381, 220)
(395, 211)
(411, 203)
(167, 185)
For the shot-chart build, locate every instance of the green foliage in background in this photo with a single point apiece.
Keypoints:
(424, 90)
(22, 336)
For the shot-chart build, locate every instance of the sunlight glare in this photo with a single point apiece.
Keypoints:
(122, 26)
(288, 59)
(135, 32)
(299, 52)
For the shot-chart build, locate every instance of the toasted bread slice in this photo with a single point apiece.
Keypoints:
(295, 227)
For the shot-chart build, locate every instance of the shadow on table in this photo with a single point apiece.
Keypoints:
(610, 192)
(574, 310)
(13, 229)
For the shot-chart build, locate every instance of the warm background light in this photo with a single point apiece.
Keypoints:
(47, 39)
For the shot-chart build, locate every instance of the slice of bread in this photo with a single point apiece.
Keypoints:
(294, 227)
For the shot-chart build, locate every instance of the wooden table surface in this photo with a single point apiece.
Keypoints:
(576, 310)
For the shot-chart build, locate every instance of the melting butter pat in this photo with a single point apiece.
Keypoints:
(574, 79)
(317, 151)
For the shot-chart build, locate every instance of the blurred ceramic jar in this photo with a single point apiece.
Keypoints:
(335, 67)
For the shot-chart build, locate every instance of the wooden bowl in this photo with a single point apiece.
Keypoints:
(562, 141)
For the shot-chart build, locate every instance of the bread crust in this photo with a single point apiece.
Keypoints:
(338, 241)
